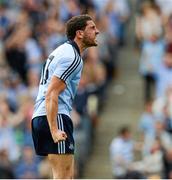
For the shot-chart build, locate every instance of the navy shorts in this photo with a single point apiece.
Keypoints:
(43, 141)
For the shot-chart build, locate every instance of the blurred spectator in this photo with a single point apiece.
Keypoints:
(162, 106)
(147, 121)
(147, 127)
(96, 74)
(166, 8)
(8, 122)
(12, 87)
(27, 167)
(151, 57)
(33, 81)
(121, 7)
(108, 49)
(15, 45)
(149, 31)
(6, 170)
(152, 164)
(54, 33)
(164, 73)
(8, 143)
(149, 22)
(164, 136)
(26, 108)
(121, 153)
(113, 23)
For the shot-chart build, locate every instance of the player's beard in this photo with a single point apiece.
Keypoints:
(89, 42)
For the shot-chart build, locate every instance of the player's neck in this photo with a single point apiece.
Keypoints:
(80, 45)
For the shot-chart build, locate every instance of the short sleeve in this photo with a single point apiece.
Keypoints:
(66, 67)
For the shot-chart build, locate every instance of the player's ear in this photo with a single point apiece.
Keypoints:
(79, 34)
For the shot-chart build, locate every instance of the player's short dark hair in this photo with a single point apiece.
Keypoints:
(76, 23)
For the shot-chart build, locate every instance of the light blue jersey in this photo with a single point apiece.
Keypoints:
(65, 63)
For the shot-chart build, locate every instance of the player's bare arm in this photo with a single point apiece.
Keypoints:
(55, 87)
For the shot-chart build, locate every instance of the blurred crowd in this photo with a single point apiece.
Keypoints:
(153, 39)
(29, 31)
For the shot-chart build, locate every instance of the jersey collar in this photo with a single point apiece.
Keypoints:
(74, 44)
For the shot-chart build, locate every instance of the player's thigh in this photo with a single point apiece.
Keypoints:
(62, 162)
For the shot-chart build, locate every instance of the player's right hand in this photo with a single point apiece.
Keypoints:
(58, 136)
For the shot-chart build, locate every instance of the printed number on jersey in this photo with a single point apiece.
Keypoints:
(45, 71)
